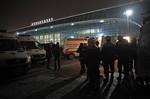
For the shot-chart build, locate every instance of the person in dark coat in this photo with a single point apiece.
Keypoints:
(93, 62)
(133, 53)
(123, 56)
(81, 51)
(56, 53)
(48, 49)
(108, 57)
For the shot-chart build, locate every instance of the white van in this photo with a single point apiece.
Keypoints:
(33, 48)
(12, 54)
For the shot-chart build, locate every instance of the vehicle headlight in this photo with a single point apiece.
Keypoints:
(28, 58)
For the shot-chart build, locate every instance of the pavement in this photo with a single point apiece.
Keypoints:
(67, 83)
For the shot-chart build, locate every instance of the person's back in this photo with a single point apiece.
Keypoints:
(56, 53)
(133, 47)
(48, 50)
(48, 54)
(133, 54)
(122, 49)
(108, 57)
(56, 50)
(93, 62)
(123, 53)
(108, 51)
(81, 51)
(92, 55)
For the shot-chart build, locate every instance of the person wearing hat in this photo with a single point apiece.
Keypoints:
(108, 58)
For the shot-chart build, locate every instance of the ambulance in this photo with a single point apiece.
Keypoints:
(12, 55)
(33, 48)
(71, 45)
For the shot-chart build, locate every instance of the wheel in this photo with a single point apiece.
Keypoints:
(71, 56)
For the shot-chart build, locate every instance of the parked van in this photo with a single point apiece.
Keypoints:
(12, 54)
(33, 48)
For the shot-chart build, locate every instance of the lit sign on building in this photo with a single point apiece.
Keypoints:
(42, 21)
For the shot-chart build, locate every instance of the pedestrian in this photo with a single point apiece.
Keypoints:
(108, 58)
(93, 62)
(133, 54)
(48, 49)
(122, 48)
(81, 51)
(56, 53)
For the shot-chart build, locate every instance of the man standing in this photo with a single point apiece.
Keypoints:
(133, 54)
(123, 56)
(108, 58)
(81, 51)
(93, 62)
(48, 49)
(56, 53)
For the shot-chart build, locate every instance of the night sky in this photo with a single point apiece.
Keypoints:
(19, 13)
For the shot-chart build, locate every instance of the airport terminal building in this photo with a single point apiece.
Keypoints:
(102, 22)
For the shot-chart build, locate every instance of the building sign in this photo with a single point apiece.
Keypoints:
(42, 21)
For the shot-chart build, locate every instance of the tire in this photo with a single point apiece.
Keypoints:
(71, 56)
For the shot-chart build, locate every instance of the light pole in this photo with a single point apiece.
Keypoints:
(128, 13)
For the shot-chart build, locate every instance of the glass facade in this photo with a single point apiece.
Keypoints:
(90, 28)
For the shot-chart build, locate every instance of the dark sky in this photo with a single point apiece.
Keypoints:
(19, 13)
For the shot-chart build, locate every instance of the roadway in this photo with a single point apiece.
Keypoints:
(67, 83)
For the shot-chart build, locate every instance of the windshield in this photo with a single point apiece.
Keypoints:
(9, 45)
(30, 44)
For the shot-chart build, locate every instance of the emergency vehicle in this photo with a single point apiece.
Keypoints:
(71, 45)
(33, 48)
(12, 54)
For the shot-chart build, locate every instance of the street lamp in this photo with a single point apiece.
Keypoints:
(128, 13)
(101, 21)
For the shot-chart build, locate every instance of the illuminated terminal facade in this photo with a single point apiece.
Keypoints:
(91, 24)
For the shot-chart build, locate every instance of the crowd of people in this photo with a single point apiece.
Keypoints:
(91, 56)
